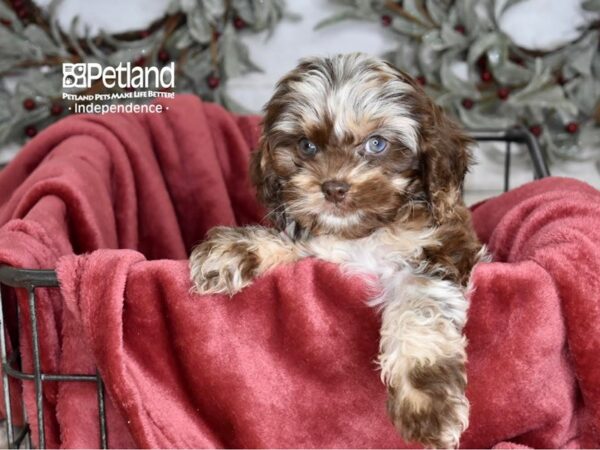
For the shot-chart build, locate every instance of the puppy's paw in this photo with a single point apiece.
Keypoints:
(223, 264)
(430, 407)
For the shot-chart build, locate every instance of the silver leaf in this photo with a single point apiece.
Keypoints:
(40, 39)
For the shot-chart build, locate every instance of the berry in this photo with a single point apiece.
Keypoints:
(460, 29)
(421, 80)
(560, 79)
(17, 3)
(486, 76)
(386, 20)
(216, 34)
(144, 34)
(572, 127)
(29, 104)
(239, 23)
(140, 61)
(536, 130)
(56, 109)
(30, 131)
(163, 56)
(503, 93)
(213, 81)
(6, 22)
(23, 13)
(467, 103)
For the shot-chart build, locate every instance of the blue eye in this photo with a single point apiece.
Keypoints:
(376, 144)
(307, 147)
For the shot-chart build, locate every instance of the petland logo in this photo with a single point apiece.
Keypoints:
(124, 88)
(83, 75)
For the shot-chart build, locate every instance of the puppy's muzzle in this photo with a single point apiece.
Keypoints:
(335, 190)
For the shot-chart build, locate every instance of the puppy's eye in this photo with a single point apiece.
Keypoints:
(375, 145)
(306, 147)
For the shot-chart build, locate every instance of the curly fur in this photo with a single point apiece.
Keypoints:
(402, 220)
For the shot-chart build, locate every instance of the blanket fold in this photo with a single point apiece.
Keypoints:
(116, 202)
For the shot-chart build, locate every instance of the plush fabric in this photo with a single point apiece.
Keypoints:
(289, 361)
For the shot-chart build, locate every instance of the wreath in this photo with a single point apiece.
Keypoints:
(201, 37)
(556, 94)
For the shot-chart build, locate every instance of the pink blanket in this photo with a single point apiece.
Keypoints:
(288, 362)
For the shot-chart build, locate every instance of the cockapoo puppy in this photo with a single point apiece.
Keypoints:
(359, 167)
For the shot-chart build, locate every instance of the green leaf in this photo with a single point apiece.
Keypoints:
(416, 9)
(477, 120)
(589, 137)
(482, 44)
(339, 17)
(580, 57)
(198, 26)
(407, 27)
(36, 36)
(584, 92)
(437, 10)
(591, 5)
(236, 60)
(510, 74)
(451, 82)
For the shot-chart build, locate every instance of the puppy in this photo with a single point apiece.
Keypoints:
(359, 167)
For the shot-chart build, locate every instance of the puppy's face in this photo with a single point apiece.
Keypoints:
(348, 145)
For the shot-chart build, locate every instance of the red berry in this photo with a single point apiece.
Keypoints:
(460, 29)
(239, 23)
(386, 20)
(6, 22)
(23, 13)
(216, 35)
(213, 81)
(163, 56)
(421, 80)
(503, 93)
(560, 79)
(572, 127)
(467, 103)
(30, 131)
(536, 130)
(486, 76)
(29, 104)
(56, 109)
(144, 34)
(17, 3)
(140, 61)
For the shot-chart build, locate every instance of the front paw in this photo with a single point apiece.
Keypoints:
(430, 406)
(223, 264)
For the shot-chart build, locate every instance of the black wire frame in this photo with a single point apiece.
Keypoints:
(31, 280)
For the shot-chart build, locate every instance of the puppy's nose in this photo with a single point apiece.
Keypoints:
(335, 190)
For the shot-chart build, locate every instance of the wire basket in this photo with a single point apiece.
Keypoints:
(30, 280)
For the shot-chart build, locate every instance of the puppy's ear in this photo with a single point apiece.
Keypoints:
(445, 157)
(267, 183)
(444, 152)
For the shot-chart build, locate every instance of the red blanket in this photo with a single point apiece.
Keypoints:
(288, 362)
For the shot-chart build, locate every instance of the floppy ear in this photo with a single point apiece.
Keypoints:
(445, 157)
(444, 152)
(267, 183)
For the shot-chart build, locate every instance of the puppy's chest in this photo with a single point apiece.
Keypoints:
(382, 254)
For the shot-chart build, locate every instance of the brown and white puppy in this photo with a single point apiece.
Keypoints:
(359, 167)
